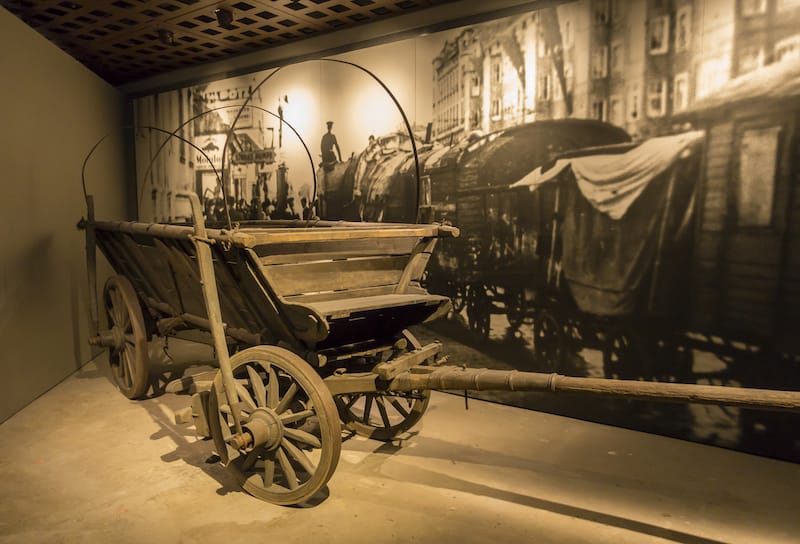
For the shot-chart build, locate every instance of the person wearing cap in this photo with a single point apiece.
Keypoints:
(328, 145)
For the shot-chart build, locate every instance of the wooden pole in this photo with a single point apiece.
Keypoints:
(91, 270)
(461, 379)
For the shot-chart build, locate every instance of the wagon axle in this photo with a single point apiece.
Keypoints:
(262, 429)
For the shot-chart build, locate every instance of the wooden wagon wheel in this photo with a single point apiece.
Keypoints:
(290, 418)
(625, 354)
(458, 298)
(548, 340)
(383, 416)
(515, 303)
(479, 312)
(128, 356)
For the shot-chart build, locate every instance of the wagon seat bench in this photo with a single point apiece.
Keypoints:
(316, 316)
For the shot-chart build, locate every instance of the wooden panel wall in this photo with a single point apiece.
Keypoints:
(711, 220)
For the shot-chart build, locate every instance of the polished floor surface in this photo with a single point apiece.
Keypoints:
(84, 464)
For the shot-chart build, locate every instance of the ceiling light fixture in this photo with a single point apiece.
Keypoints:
(166, 37)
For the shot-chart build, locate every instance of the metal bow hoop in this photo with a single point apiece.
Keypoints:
(218, 174)
(354, 65)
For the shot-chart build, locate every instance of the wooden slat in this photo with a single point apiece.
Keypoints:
(343, 307)
(750, 270)
(754, 249)
(738, 295)
(291, 279)
(280, 236)
(315, 251)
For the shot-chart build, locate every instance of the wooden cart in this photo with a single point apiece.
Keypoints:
(308, 321)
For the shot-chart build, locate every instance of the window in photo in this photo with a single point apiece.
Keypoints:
(599, 109)
(658, 39)
(497, 108)
(656, 98)
(680, 92)
(600, 62)
(616, 115)
(617, 59)
(544, 87)
(497, 72)
(683, 28)
(567, 33)
(757, 168)
(601, 11)
(616, 10)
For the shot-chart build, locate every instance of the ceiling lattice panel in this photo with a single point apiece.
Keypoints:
(127, 40)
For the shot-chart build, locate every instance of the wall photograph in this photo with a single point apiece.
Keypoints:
(623, 174)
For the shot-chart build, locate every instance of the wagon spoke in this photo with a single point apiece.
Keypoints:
(367, 407)
(120, 309)
(258, 386)
(251, 459)
(272, 389)
(397, 406)
(269, 473)
(302, 436)
(288, 469)
(245, 397)
(287, 399)
(299, 456)
(226, 409)
(127, 371)
(353, 400)
(112, 315)
(292, 417)
(382, 410)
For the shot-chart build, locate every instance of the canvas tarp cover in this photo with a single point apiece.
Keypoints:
(613, 213)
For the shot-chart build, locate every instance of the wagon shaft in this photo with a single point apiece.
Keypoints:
(459, 378)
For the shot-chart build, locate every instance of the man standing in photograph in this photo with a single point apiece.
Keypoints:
(329, 143)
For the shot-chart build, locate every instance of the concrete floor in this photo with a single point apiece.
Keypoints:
(84, 464)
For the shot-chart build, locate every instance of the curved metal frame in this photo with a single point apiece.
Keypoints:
(354, 65)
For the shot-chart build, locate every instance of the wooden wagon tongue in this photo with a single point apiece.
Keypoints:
(393, 377)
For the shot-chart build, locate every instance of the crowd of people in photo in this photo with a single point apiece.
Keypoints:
(258, 210)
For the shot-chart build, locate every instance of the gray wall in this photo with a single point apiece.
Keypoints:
(52, 110)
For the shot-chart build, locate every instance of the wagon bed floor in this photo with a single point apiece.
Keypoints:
(84, 464)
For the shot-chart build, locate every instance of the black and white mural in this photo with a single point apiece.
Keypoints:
(624, 174)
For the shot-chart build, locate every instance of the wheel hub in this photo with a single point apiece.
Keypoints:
(118, 337)
(264, 428)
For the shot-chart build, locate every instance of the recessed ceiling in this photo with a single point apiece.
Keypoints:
(127, 40)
